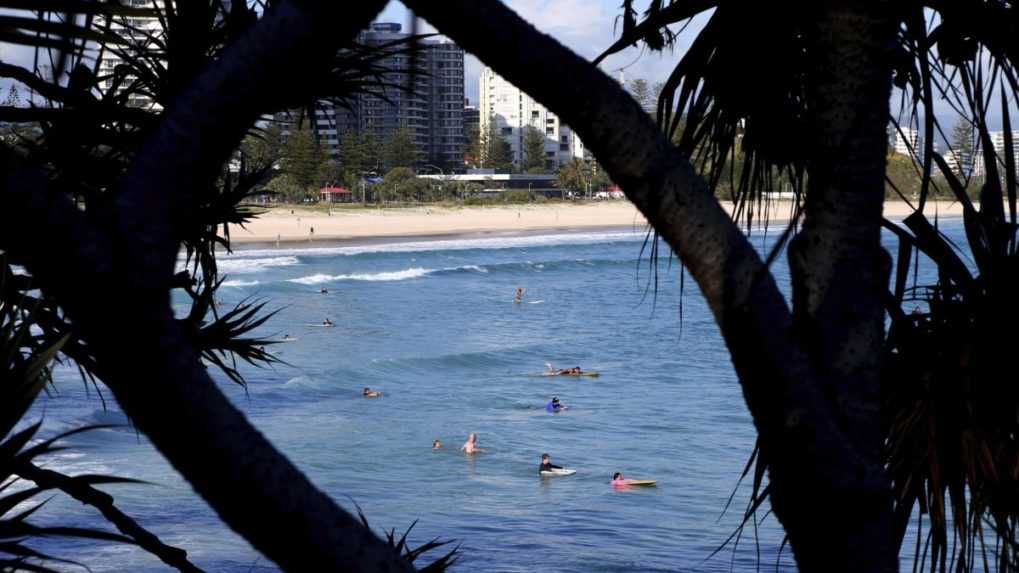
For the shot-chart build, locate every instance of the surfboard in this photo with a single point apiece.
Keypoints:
(535, 301)
(588, 374)
(321, 325)
(559, 472)
(291, 339)
(645, 482)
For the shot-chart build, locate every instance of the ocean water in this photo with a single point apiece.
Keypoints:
(433, 325)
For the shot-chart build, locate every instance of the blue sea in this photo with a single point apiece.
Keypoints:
(432, 324)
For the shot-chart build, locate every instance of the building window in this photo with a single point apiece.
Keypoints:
(564, 147)
(549, 131)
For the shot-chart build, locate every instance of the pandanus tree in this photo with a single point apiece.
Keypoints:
(110, 174)
(948, 407)
(827, 386)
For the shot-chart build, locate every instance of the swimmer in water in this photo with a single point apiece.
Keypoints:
(519, 296)
(554, 406)
(327, 322)
(369, 393)
(323, 290)
(471, 445)
(436, 445)
(546, 464)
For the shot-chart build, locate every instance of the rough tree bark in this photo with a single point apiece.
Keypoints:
(111, 270)
(820, 445)
(840, 272)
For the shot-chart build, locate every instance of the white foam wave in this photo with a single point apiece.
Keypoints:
(486, 243)
(411, 273)
(238, 284)
(385, 276)
(231, 264)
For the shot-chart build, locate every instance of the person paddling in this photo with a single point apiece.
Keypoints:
(546, 464)
(554, 406)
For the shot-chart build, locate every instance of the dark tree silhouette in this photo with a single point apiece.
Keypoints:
(812, 372)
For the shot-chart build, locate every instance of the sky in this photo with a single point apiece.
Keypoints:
(585, 26)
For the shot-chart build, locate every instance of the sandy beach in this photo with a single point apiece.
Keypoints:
(344, 223)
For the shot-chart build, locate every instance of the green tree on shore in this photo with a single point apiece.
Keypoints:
(303, 160)
(400, 148)
(263, 148)
(497, 151)
(474, 151)
(533, 160)
(641, 91)
(961, 141)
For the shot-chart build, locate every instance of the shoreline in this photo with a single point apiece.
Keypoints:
(292, 227)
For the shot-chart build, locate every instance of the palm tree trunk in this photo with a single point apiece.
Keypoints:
(840, 275)
(111, 272)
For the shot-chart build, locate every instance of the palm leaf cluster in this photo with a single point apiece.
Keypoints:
(82, 124)
(951, 402)
(951, 405)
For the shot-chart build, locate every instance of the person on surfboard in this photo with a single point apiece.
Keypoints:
(369, 393)
(562, 371)
(546, 464)
(327, 322)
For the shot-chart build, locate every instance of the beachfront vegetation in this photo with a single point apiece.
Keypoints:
(859, 427)
(534, 150)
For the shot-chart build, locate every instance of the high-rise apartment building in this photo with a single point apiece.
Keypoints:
(905, 140)
(433, 111)
(509, 111)
(472, 118)
(143, 33)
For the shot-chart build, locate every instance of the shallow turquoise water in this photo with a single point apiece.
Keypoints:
(433, 326)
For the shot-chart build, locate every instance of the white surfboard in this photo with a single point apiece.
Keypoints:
(557, 472)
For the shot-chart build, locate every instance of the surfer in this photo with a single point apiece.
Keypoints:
(554, 405)
(323, 290)
(436, 445)
(327, 322)
(471, 445)
(286, 337)
(618, 480)
(369, 393)
(546, 464)
(519, 296)
(562, 371)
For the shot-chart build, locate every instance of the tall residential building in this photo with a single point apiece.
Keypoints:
(143, 33)
(433, 112)
(998, 141)
(509, 111)
(905, 141)
(472, 118)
